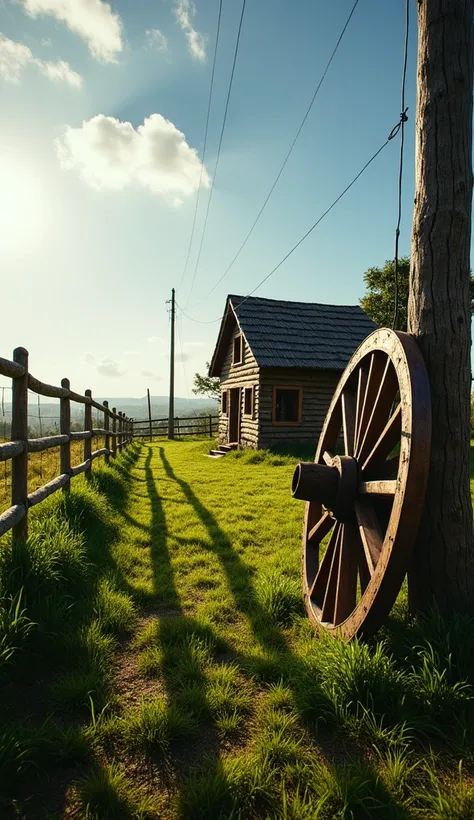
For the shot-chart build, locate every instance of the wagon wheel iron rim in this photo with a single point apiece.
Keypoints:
(366, 503)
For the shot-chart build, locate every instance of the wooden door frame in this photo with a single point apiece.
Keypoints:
(235, 395)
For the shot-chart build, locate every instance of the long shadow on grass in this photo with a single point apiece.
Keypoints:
(182, 642)
(238, 574)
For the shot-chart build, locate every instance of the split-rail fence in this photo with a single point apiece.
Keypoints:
(117, 431)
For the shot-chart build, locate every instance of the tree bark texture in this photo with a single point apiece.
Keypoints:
(439, 301)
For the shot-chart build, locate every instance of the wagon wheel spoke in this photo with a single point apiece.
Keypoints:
(347, 576)
(386, 441)
(322, 528)
(384, 488)
(370, 534)
(387, 390)
(328, 457)
(329, 602)
(376, 369)
(348, 421)
(320, 583)
(361, 390)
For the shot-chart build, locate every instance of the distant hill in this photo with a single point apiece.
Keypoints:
(135, 408)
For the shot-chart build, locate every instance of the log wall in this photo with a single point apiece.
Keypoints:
(241, 375)
(318, 389)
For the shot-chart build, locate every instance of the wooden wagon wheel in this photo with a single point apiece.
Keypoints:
(364, 506)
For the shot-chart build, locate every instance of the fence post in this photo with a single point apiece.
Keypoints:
(106, 427)
(19, 432)
(176, 427)
(210, 426)
(114, 430)
(65, 429)
(120, 431)
(88, 427)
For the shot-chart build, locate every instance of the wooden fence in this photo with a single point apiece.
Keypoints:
(192, 426)
(118, 436)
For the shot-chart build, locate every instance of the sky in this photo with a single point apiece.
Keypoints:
(101, 146)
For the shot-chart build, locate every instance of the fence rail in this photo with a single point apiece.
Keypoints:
(191, 426)
(116, 439)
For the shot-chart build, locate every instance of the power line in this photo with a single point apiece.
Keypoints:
(236, 51)
(392, 134)
(204, 146)
(403, 119)
(283, 165)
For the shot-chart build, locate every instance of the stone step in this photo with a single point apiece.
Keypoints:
(216, 454)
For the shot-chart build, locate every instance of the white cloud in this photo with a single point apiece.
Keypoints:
(15, 57)
(184, 11)
(148, 374)
(109, 367)
(194, 344)
(154, 339)
(156, 40)
(112, 155)
(89, 358)
(46, 42)
(93, 20)
(131, 353)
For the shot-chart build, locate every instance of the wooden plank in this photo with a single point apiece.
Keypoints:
(10, 449)
(370, 532)
(97, 405)
(78, 398)
(104, 451)
(87, 441)
(12, 517)
(107, 429)
(19, 432)
(44, 389)
(48, 489)
(80, 435)
(12, 370)
(385, 488)
(38, 445)
(114, 432)
(65, 425)
(80, 468)
(99, 431)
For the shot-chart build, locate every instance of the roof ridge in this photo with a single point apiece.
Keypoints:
(247, 299)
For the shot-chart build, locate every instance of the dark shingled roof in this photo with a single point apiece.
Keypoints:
(294, 334)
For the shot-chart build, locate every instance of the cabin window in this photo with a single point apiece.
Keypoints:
(224, 402)
(248, 401)
(238, 350)
(287, 405)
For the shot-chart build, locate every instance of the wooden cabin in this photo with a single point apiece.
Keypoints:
(279, 363)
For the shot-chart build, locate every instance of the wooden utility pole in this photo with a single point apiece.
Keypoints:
(149, 412)
(171, 402)
(439, 300)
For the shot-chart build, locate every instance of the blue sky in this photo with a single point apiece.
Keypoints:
(96, 214)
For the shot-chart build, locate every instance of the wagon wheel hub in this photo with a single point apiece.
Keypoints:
(334, 484)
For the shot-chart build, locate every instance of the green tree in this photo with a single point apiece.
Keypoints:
(379, 300)
(206, 385)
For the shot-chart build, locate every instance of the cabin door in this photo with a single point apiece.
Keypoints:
(234, 416)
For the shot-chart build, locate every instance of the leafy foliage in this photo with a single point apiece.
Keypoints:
(379, 300)
(207, 385)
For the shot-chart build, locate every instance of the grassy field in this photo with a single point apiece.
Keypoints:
(156, 662)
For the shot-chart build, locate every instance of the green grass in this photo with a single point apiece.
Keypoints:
(156, 662)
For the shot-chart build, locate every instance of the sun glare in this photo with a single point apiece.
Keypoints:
(20, 208)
